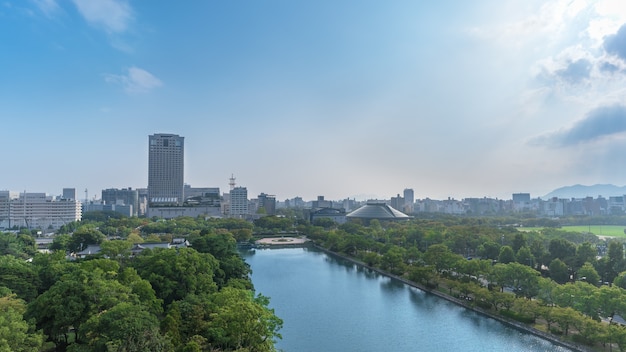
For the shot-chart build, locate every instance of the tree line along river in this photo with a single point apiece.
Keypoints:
(330, 304)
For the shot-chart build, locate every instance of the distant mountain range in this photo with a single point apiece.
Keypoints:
(581, 191)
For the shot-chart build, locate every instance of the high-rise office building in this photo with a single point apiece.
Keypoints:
(165, 169)
(409, 199)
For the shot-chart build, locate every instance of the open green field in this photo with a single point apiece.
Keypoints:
(598, 230)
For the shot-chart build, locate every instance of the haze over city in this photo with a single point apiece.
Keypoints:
(452, 99)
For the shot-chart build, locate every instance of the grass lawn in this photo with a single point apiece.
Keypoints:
(598, 230)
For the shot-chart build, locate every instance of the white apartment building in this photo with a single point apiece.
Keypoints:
(238, 202)
(37, 211)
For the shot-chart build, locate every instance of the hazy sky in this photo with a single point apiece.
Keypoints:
(305, 98)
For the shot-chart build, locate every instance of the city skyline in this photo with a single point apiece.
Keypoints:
(352, 99)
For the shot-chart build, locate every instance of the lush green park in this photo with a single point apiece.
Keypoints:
(162, 299)
(598, 230)
(201, 298)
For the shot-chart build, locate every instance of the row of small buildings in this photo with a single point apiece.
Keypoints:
(37, 210)
(522, 203)
(41, 211)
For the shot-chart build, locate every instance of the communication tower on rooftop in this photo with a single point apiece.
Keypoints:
(232, 182)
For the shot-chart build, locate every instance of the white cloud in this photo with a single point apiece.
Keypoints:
(112, 15)
(547, 24)
(598, 124)
(137, 80)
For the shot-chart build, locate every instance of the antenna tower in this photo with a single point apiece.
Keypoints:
(232, 182)
(86, 195)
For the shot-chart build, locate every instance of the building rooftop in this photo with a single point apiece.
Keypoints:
(375, 210)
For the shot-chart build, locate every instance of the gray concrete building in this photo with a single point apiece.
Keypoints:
(165, 170)
(124, 196)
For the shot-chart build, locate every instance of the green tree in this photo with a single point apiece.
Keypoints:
(19, 276)
(326, 223)
(507, 255)
(421, 274)
(371, 258)
(565, 317)
(117, 250)
(21, 245)
(61, 243)
(539, 251)
(242, 235)
(519, 241)
(393, 261)
(124, 327)
(546, 291)
(559, 271)
(562, 249)
(50, 268)
(240, 321)
(220, 245)
(16, 334)
(142, 289)
(620, 280)
(134, 238)
(527, 308)
(176, 273)
(586, 252)
(589, 274)
(616, 263)
(525, 256)
(84, 236)
(441, 257)
(72, 300)
(274, 223)
(610, 301)
(522, 279)
(223, 247)
(586, 299)
(489, 249)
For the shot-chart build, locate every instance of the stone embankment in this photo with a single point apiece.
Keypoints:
(510, 322)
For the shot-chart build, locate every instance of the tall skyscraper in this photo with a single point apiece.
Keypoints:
(409, 199)
(165, 169)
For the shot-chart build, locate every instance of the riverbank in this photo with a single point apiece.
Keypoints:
(509, 322)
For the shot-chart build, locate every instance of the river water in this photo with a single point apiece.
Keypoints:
(329, 304)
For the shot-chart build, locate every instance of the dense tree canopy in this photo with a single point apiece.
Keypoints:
(200, 299)
(16, 334)
(117, 301)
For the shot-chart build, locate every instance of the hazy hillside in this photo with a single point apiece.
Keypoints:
(581, 191)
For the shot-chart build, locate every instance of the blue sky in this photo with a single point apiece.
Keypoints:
(334, 98)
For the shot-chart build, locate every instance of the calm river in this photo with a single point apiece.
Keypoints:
(328, 304)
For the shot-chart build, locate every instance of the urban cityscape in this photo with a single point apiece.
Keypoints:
(313, 176)
(167, 196)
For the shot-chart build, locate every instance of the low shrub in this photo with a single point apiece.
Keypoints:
(519, 317)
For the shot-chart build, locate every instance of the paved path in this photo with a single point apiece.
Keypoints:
(282, 240)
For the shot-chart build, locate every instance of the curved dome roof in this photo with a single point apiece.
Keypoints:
(379, 211)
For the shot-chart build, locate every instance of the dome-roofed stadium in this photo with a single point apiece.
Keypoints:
(379, 211)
